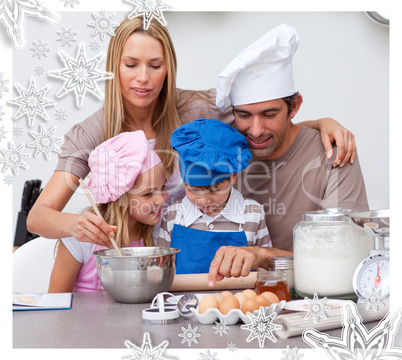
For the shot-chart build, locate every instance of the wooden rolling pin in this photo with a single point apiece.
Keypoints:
(199, 282)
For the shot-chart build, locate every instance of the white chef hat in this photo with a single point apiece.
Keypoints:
(263, 71)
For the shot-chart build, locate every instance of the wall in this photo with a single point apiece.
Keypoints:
(341, 69)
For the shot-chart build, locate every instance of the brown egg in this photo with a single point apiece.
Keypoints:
(262, 300)
(226, 293)
(219, 297)
(271, 297)
(207, 302)
(229, 303)
(250, 305)
(241, 297)
(249, 293)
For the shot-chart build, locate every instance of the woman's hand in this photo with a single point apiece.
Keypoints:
(47, 219)
(332, 131)
(89, 227)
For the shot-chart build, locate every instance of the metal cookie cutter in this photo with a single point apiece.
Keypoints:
(161, 312)
(187, 302)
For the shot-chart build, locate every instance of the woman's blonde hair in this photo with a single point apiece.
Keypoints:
(165, 118)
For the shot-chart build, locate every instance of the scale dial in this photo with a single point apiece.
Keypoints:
(372, 274)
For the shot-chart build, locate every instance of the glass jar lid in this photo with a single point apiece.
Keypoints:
(281, 263)
(330, 214)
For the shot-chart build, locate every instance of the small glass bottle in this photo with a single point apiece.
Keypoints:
(284, 263)
(273, 281)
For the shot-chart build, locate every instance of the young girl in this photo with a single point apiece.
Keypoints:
(127, 181)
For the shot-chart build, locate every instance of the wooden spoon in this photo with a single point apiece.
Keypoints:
(99, 214)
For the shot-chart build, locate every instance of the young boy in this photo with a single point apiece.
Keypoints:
(212, 214)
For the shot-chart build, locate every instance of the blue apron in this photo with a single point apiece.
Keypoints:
(198, 247)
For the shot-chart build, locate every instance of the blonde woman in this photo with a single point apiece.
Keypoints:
(142, 96)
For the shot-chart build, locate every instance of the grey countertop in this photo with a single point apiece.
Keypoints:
(97, 321)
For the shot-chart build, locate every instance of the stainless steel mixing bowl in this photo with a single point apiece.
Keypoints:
(138, 275)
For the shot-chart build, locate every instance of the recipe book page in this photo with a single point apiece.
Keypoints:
(56, 301)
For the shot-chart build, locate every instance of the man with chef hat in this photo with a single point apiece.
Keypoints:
(289, 173)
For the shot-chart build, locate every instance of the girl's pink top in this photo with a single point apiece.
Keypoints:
(88, 279)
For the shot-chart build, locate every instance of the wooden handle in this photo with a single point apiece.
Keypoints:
(199, 282)
(99, 214)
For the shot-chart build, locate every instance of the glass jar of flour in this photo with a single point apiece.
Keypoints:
(327, 250)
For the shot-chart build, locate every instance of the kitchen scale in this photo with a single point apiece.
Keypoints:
(371, 276)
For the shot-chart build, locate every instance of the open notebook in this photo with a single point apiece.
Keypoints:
(59, 301)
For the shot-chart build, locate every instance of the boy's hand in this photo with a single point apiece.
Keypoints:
(233, 261)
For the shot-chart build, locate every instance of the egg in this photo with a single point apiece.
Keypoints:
(229, 303)
(219, 297)
(262, 300)
(250, 305)
(226, 293)
(271, 297)
(241, 297)
(249, 293)
(208, 302)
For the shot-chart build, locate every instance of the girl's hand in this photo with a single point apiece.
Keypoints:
(332, 131)
(89, 227)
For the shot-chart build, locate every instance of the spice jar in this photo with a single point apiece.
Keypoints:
(272, 281)
(327, 250)
(284, 263)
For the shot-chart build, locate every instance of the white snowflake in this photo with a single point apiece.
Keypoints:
(103, 24)
(373, 300)
(14, 158)
(261, 327)
(40, 48)
(316, 308)
(189, 335)
(291, 354)
(232, 347)
(1, 113)
(31, 102)
(45, 141)
(80, 75)
(146, 351)
(148, 9)
(9, 180)
(39, 70)
(94, 45)
(3, 133)
(17, 131)
(66, 35)
(356, 342)
(61, 115)
(3, 85)
(70, 2)
(13, 15)
(221, 327)
(208, 356)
